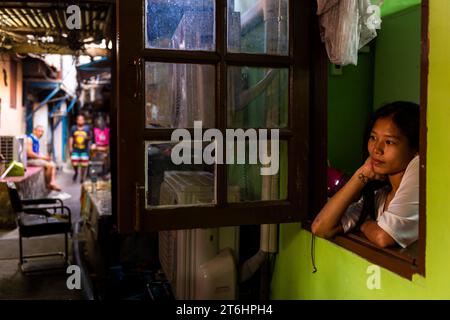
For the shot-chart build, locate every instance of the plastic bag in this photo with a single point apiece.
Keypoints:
(344, 28)
(15, 169)
(325, 5)
(370, 21)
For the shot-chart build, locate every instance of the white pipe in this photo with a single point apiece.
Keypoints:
(249, 267)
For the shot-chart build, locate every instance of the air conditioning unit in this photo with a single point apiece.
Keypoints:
(199, 263)
(14, 148)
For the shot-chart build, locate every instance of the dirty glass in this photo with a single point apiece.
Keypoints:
(257, 97)
(178, 94)
(257, 26)
(170, 183)
(247, 183)
(180, 24)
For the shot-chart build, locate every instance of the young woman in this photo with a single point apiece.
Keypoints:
(382, 197)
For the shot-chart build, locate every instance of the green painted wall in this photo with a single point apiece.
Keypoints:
(393, 6)
(389, 72)
(397, 58)
(342, 274)
(349, 101)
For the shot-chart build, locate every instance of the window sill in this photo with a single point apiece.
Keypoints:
(398, 260)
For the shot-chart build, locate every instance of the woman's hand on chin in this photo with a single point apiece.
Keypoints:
(367, 172)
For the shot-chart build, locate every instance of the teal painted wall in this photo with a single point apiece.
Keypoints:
(342, 274)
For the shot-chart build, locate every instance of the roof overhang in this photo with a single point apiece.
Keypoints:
(40, 27)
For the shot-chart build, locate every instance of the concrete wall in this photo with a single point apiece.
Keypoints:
(66, 65)
(12, 121)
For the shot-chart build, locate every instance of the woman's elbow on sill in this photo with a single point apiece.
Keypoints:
(384, 240)
(318, 230)
(377, 235)
(315, 229)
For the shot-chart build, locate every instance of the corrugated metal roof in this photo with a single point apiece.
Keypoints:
(28, 23)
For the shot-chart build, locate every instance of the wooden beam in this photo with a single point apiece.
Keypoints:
(5, 19)
(27, 16)
(35, 15)
(54, 24)
(41, 4)
(106, 27)
(61, 21)
(11, 18)
(48, 49)
(20, 16)
(14, 35)
(56, 49)
(30, 30)
(43, 18)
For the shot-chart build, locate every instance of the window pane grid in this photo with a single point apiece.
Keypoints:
(223, 59)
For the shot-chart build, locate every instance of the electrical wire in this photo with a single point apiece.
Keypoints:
(313, 253)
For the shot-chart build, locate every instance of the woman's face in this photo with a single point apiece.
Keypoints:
(389, 148)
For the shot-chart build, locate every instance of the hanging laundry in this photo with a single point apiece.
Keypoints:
(346, 26)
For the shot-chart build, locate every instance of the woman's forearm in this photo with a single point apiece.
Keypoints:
(327, 221)
(377, 235)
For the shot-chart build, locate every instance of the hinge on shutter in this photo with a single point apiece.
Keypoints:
(138, 206)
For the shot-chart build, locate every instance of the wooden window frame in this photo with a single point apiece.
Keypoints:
(399, 261)
(13, 66)
(131, 213)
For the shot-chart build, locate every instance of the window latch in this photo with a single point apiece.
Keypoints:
(137, 63)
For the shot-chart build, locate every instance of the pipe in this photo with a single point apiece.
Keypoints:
(250, 94)
(249, 267)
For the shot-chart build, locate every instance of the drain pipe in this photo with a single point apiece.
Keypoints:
(268, 245)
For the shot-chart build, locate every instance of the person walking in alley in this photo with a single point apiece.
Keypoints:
(79, 147)
(37, 159)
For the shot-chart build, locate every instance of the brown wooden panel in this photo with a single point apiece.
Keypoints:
(423, 136)
(129, 44)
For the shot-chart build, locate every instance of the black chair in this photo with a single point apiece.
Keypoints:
(40, 217)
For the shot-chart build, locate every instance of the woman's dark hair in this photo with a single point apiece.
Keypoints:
(406, 116)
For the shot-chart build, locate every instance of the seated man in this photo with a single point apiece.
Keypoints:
(37, 159)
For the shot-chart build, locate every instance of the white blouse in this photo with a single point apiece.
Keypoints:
(401, 219)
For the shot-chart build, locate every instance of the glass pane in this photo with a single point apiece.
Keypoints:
(246, 183)
(258, 97)
(172, 184)
(180, 24)
(257, 26)
(178, 94)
